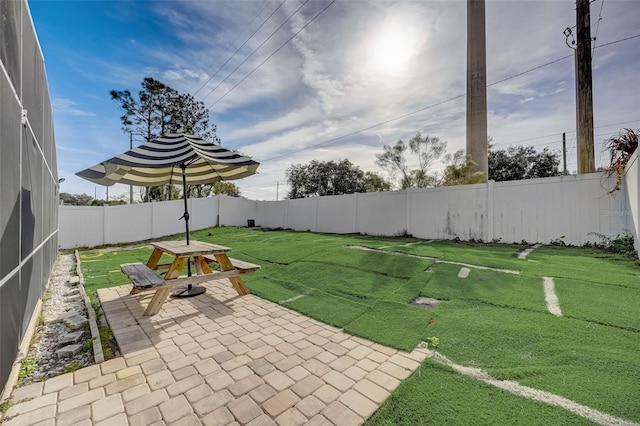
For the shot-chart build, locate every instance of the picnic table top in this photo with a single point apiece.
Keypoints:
(195, 248)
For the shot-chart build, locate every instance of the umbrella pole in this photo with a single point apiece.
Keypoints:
(189, 290)
(186, 210)
(184, 197)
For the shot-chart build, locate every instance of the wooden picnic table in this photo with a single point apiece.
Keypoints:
(200, 254)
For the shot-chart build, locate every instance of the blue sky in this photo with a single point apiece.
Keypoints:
(356, 65)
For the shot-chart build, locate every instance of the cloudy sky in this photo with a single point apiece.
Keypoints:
(329, 80)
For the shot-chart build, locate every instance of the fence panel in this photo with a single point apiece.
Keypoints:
(632, 197)
(336, 215)
(165, 218)
(301, 214)
(125, 224)
(81, 226)
(272, 214)
(203, 212)
(447, 213)
(536, 210)
(542, 210)
(236, 211)
(382, 213)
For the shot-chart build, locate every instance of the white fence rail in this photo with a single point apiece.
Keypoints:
(539, 210)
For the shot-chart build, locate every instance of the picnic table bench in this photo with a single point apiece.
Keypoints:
(240, 265)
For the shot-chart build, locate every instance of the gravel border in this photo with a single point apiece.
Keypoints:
(98, 355)
(65, 296)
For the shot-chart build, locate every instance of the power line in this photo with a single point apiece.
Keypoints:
(595, 38)
(252, 53)
(558, 60)
(549, 143)
(401, 116)
(560, 133)
(276, 51)
(616, 124)
(618, 41)
(366, 128)
(433, 105)
(245, 42)
(532, 69)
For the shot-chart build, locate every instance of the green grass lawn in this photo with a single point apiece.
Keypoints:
(440, 396)
(491, 319)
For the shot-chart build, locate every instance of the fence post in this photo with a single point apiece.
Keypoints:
(152, 220)
(490, 212)
(355, 212)
(105, 228)
(286, 214)
(315, 216)
(221, 209)
(408, 215)
(217, 211)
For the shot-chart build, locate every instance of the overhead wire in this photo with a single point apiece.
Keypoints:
(276, 51)
(595, 38)
(618, 41)
(530, 70)
(434, 105)
(560, 133)
(252, 53)
(548, 143)
(489, 85)
(370, 127)
(245, 42)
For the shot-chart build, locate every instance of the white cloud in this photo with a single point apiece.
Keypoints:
(292, 118)
(69, 107)
(357, 65)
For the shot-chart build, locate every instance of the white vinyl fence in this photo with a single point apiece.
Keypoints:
(537, 210)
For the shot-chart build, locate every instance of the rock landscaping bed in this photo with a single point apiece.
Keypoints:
(62, 341)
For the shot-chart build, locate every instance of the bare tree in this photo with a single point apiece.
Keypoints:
(426, 150)
(159, 109)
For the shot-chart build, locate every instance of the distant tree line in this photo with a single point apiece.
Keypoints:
(195, 191)
(76, 199)
(331, 178)
(410, 165)
(519, 162)
(88, 200)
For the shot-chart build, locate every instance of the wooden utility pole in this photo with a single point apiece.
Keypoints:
(584, 96)
(477, 85)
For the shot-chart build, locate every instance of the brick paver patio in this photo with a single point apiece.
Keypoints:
(219, 359)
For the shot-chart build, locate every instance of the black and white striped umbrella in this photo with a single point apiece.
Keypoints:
(171, 159)
(164, 159)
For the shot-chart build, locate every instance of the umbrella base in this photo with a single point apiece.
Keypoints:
(188, 291)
